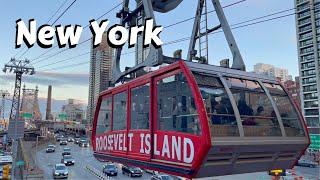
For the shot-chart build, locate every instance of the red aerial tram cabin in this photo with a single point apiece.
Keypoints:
(199, 120)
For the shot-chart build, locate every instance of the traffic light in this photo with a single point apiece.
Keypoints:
(5, 172)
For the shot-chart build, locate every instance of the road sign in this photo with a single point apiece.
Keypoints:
(62, 116)
(20, 163)
(315, 141)
(27, 115)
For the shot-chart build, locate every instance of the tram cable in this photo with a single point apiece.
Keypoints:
(52, 55)
(59, 8)
(64, 11)
(57, 53)
(233, 26)
(52, 24)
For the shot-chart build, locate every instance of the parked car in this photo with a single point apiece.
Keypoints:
(63, 142)
(306, 163)
(83, 143)
(132, 171)
(110, 169)
(161, 177)
(60, 171)
(66, 151)
(70, 139)
(67, 160)
(51, 148)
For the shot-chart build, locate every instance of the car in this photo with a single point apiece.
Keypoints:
(70, 139)
(51, 148)
(161, 177)
(59, 137)
(83, 143)
(60, 171)
(76, 140)
(306, 163)
(110, 169)
(132, 171)
(67, 160)
(151, 171)
(66, 151)
(63, 142)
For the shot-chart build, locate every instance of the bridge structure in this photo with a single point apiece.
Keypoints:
(29, 109)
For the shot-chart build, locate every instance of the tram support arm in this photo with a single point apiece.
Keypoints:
(238, 62)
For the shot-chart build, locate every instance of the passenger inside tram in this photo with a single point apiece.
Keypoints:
(176, 107)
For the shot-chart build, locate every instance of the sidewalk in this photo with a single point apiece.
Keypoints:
(28, 152)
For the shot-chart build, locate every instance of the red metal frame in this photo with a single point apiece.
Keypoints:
(303, 123)
(203, 141)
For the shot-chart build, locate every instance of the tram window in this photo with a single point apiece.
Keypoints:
(218, 106)
(256, 111)
(176, 107)
(287, 112)
(120, 111)
(140, 99)
(104, 117)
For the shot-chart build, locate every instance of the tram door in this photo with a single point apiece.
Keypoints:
(139, 126)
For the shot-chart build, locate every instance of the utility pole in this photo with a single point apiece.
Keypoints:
(16, 125)
(4, 95)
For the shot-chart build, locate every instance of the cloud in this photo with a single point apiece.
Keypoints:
(50, 78)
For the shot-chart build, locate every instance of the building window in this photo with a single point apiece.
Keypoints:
(311, 104)
(309, 80)
(104, 117)
(176, 106)
(313, 121)
(306, 50)
(311, 112)
(140, 106)
(310, 88)
(311, 96)
(287, 112)
(120, 111)
(218, 106)
(256, 112)
(305, 35)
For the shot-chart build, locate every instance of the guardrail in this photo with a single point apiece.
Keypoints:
(97, 173)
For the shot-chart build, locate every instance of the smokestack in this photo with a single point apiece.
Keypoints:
(48, 109)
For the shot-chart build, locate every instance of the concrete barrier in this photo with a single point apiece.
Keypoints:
(97, 173)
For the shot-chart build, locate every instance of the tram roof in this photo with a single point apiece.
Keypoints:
(207, 69)
(217, 70)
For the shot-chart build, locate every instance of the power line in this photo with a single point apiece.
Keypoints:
(71, 65)
(59, 52)
(237, 27)
(64, 60)
(55, 13)
(64, 12)
(47, 23)
(46, 52)
(229, 5)
(233, 26)
(53, 22)
(209, 12)
(79, 55)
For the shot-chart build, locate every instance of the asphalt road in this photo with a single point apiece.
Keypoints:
(82, 156)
